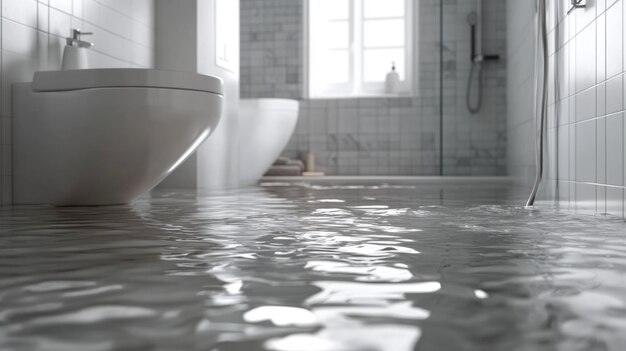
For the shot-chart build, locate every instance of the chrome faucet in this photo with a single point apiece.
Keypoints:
(75, 39)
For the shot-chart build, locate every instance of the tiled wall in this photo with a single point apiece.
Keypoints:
(520, 86)
(386, 136)
(586, 149)
(32, 39)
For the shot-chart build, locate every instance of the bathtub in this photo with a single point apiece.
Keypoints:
(265, 127)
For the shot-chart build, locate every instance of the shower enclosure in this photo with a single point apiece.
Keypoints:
(470, 44)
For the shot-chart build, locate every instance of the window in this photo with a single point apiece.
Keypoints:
(353, 43)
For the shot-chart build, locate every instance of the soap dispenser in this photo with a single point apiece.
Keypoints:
(75, 52)
(392, 83)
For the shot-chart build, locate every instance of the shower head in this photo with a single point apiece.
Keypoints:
(472, 18)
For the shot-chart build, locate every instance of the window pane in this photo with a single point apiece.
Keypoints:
(326, 33)
(337, 35)
(377, 63)
(338, 9)
(383, 33)
(330, 67)
(384, 8)
(331, 9)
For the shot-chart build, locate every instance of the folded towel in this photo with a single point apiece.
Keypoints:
(284, 171)
(296, 163)
(281, 161)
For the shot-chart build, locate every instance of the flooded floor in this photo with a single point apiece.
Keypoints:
(301, 267)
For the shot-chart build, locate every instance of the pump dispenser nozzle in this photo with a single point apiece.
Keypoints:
(392, 83)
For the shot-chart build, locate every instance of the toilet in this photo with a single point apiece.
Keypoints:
(265, 127)
(106, 136)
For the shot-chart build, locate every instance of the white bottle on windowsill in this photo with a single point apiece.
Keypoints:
(392, 83)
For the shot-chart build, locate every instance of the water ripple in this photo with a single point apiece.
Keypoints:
(299, 266)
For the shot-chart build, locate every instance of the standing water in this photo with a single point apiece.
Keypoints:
(304, 267)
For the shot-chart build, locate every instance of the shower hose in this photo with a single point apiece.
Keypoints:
(541, 120)
(476, 68)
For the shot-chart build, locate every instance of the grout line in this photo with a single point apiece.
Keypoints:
(593, 184)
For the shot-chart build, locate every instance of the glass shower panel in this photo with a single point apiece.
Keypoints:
(472, 89)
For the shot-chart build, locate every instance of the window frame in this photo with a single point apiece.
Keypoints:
(356, 87)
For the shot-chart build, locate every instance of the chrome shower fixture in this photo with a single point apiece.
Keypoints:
(577, 4)
(474, 19)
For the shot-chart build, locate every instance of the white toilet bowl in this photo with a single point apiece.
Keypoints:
(105, 136)
(265, 127)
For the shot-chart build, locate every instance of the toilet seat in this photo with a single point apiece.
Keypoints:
(49, 81)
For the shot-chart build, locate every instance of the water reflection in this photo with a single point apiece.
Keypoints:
(281, 316)
(312, 267)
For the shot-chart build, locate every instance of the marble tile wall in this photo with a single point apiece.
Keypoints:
(386, 136)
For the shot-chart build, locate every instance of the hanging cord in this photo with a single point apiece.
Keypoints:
(476, 68)
(541, 124)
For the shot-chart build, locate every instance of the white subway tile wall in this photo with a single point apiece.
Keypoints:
(520, 95)
(32, 39)
(586, 169)
(386, 136)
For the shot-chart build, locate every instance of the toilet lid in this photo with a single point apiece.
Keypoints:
(124, 77)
